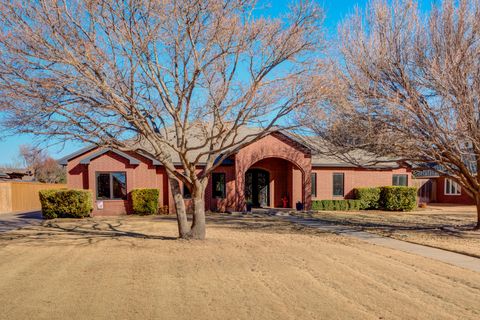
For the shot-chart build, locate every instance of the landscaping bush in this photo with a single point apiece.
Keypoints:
(145, 201)
(341, 205)
(333, 205)
(369, 197)
(398, 198)
(354, 205)
(328, 205)
(66, 203)
(317, 205)
(387, 198)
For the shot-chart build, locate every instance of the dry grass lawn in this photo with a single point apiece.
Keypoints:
(131, 268)
(445, 227)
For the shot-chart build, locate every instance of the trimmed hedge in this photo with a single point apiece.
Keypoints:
(398, 198)
(145, 201)
(354, 205)
(335, 205)
(369, 197)
(66, 203)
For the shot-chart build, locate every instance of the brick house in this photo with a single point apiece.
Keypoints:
(275, 171)
(435, 188)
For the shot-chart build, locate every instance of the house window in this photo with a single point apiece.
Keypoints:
(400, 180)
(452, 188)
(314, 184)
(111, 186)
(218, 185)
(187, 194)
(338, 185)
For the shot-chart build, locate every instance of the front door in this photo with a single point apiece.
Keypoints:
(257, 190)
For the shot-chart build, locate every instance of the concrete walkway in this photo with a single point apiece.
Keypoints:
(12, 221)
(456, 259)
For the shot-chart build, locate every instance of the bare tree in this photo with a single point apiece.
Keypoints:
(51, 172)
(172, 78)
(44, 168)
(409, 88)
(32, 157)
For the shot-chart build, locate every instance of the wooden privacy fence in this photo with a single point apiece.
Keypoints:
(22, 196)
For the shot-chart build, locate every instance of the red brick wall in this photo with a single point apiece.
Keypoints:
(288, 163)
(301, 186)
(228, 203)
(144, 175)
(353, 178)
(463, 198)
(271, 148)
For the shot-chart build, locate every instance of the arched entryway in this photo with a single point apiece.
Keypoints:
(273, 182)
(257, 188)
(289, 165)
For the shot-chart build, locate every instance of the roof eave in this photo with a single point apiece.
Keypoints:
(131, 160)
(64, 161)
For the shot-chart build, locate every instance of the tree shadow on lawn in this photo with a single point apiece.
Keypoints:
(433, 224)
(260, 223)
(248, 222)
(78, 232)
(129, 229)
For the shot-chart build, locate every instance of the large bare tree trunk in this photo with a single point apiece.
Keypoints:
(477, 202)
(198, 225)
(183, 227)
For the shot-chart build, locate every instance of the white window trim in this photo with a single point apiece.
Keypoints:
(403, 175)
(447, 192)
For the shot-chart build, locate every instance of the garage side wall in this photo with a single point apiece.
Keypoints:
(354, 178)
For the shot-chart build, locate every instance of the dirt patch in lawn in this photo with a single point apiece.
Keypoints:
(248, 268)
(446, 227)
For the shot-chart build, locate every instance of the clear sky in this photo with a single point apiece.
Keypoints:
(335, 11)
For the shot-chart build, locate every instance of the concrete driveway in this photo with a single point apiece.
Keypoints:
(12, 221)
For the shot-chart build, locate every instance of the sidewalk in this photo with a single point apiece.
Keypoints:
(12, 221)
(449, 257)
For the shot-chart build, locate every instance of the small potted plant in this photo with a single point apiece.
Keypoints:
(299, 206)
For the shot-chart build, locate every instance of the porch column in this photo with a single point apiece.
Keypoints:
(307, 187)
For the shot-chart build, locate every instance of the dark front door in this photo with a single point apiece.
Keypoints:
(257, 190)
(426, 193)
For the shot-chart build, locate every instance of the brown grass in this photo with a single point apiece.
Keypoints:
(445, 227)
(248, 268)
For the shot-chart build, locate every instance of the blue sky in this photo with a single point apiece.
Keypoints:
(335, 11)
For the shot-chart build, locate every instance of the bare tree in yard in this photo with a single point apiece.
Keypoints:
(409, 88)
(172, 78)
(51, 172)
(44, 168)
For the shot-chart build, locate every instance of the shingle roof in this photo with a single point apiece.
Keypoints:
(196, 142)
(360, 158)
(64, 161)
(312, 144)
(434, 170)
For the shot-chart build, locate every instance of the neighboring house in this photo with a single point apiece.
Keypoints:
(16, 174)
(270, 172)
(433, 187)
